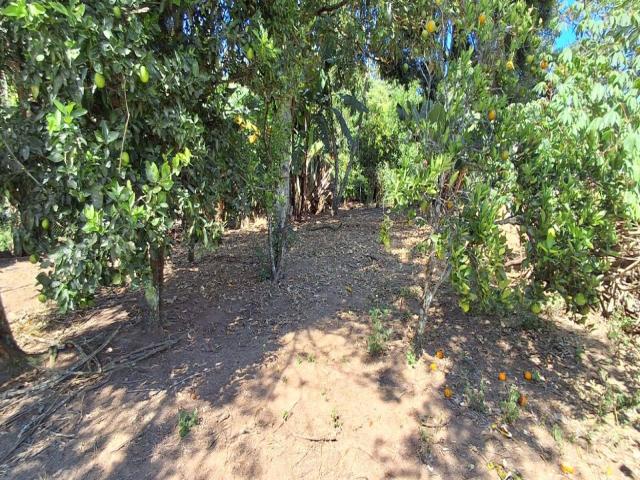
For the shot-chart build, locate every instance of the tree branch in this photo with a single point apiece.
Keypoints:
(332, 8)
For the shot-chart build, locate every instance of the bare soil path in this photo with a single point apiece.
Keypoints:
(283, 387)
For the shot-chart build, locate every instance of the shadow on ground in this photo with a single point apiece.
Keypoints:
(283, 386)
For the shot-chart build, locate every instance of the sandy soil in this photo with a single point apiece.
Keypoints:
(283, 386)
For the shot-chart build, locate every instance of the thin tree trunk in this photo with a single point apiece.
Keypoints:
(353, 154)
(154, 295)
(282, 206)
(11, 355)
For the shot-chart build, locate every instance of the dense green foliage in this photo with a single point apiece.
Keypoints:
(561, 166)
(128, 124)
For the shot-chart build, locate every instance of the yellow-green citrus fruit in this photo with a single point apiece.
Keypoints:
(464, 305)
(504, 155)
(99, 80)
(42, 298)
(405, 67)
(551, 232)
(33, 258)
(116, 278)
(45, 224)
(510, 65)
(536, 308)
(117, 13)
(491, 115)
(124, 159)
(482, 19)
(250, 53)
(581, 300)
(530, 58)
(143, 74)
(431, 27)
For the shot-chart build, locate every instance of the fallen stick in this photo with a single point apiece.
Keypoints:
(86, 377)
(63, 376)
(316, 439)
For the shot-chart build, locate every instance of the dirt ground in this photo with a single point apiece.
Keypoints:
(283, 386)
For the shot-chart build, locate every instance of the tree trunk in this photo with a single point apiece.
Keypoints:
(353, 154)
(278, 227)
(11, 355)
(154, 293)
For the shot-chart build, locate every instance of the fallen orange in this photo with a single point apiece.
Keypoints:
(527, 375)
(440, 354)
(522, 400)
(502, 376)
(566, 468)
(448, 393)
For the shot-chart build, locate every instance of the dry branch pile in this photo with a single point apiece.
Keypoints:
(35, 397)
(621, 286)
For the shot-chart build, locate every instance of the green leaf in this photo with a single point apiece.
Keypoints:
(153, 175)
(16, 10)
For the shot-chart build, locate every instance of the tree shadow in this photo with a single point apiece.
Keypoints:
(282, 383)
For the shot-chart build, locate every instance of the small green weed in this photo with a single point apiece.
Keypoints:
(412, 360)
(385, 232)
(509, 407)
(286, 415)
(621, 404)
(475, 397)
(305, 357)
(186, 421)
(621, 327)
(556, 433)
(335, 419)
(379, 335)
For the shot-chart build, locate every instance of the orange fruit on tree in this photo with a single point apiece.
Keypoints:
(502, 376)
(448, 393)
(544, 64)
(440, 354)
(482, 19)
(522, 400)
(491, 115)
(528, 376)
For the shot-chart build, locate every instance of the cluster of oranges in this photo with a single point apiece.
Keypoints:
(502, 376)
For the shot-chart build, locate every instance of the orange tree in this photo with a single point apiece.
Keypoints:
(108, 139)
(556, 162)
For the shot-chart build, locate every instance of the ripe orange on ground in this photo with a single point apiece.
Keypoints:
(527, 375)
(502, 376)
(566, 468)
(440, 354)
(448, 393)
